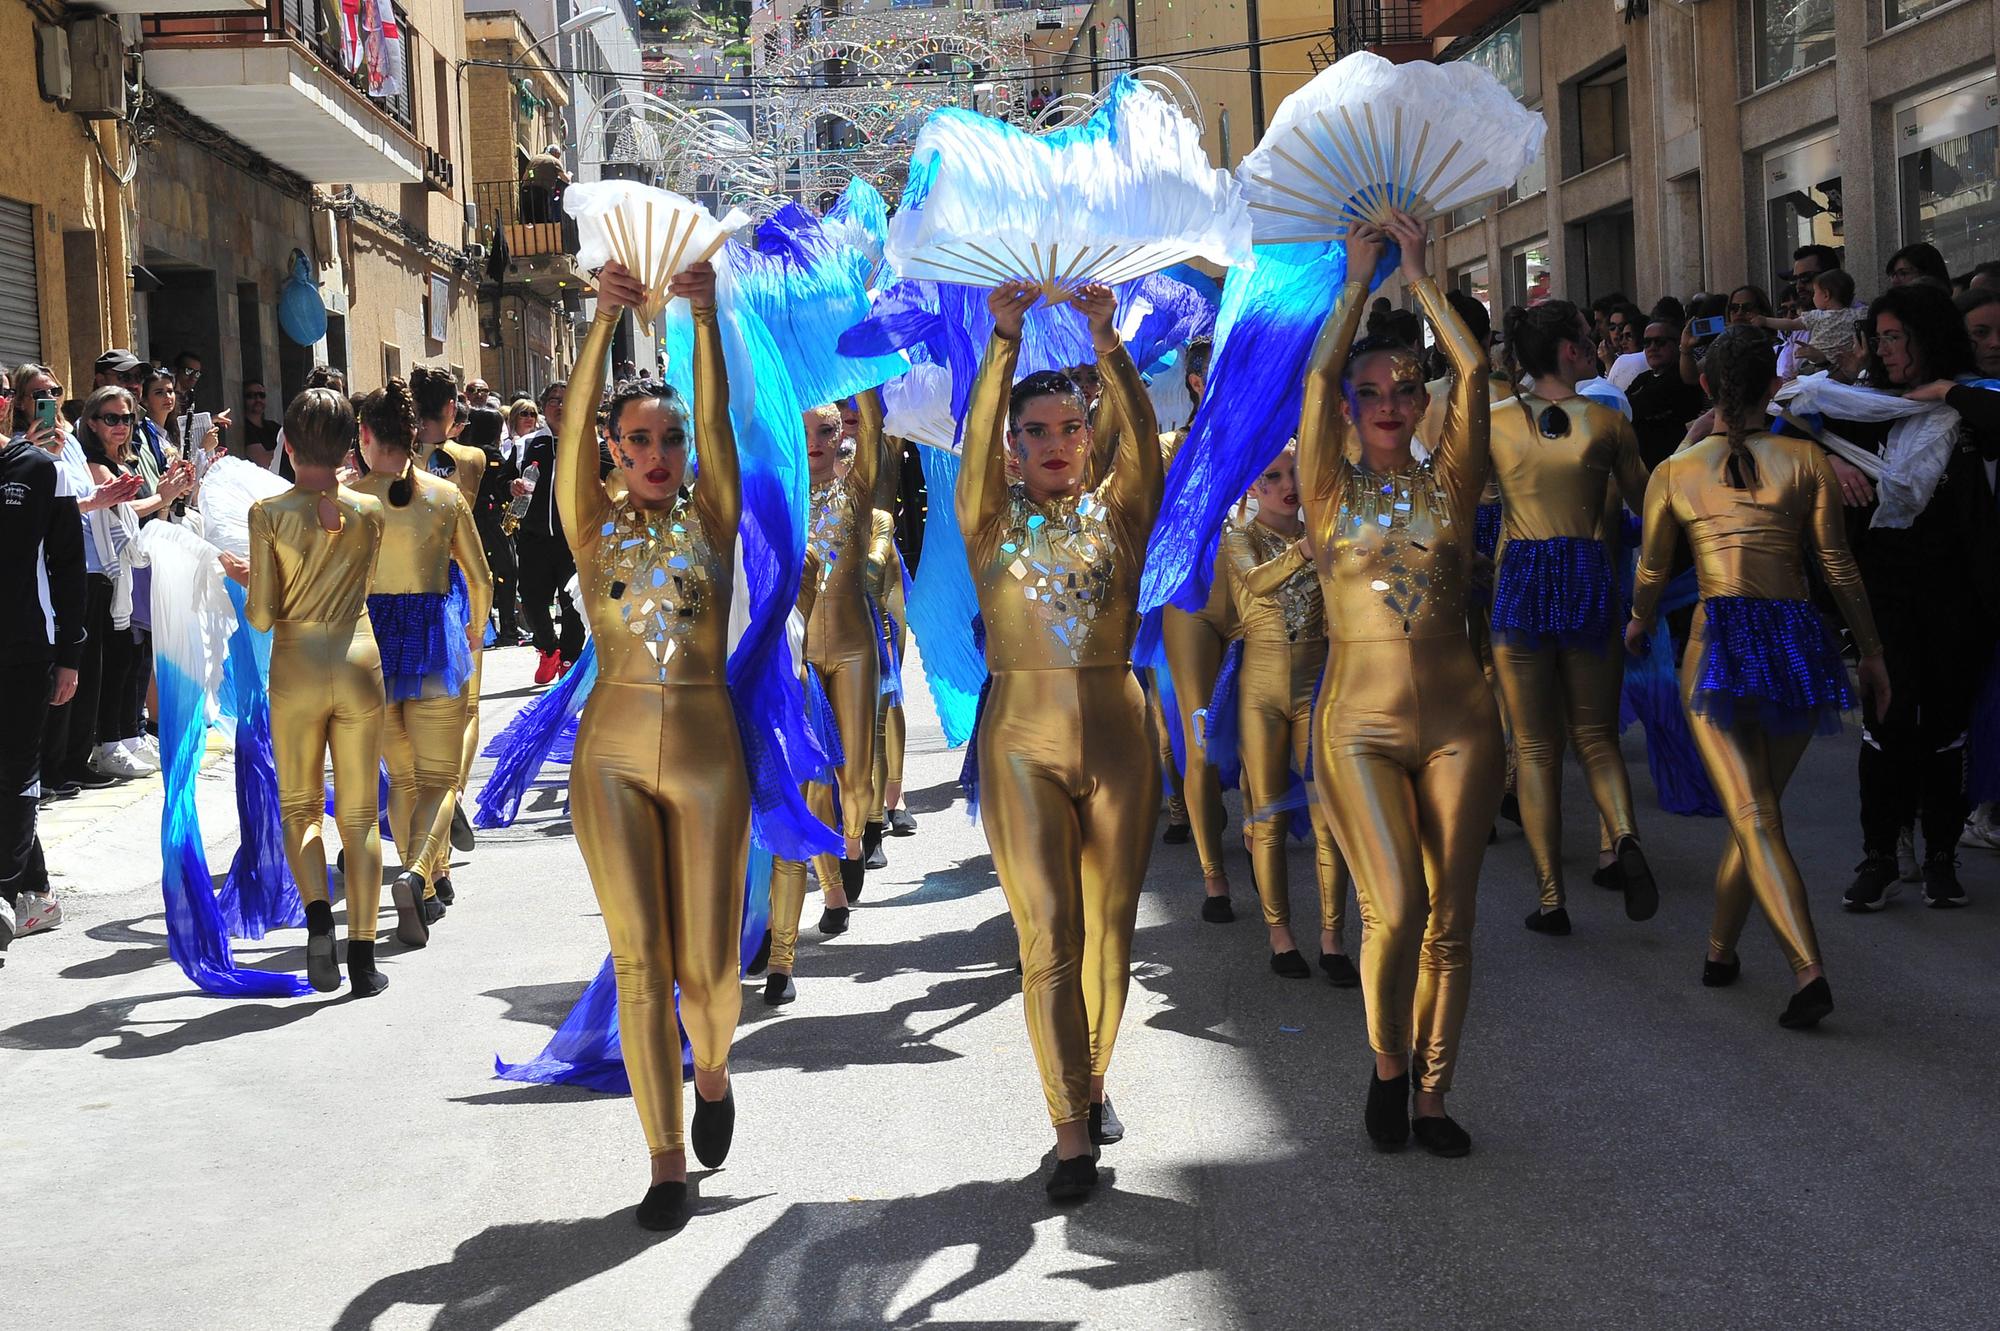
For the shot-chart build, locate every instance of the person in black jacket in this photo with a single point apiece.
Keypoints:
(42, 599)
(483, 427)
(545, 562)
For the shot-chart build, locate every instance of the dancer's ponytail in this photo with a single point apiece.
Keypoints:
(1739, 368)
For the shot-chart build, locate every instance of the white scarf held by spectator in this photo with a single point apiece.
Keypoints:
(1919, 446)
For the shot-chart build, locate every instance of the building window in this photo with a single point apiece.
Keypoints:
(1790, 36)
(1528, 273)
(1474, 280)
(1599, 118)
(1470, 213)
(1533, 181)
(1905, 11)
(1948, 171)
(1802, 198)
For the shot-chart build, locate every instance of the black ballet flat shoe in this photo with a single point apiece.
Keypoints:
(1073, 1179)
(433, 905)
(407, 895)
(1106, 1128)
(901, 823)
(1510, 808)
(447, 895)
(1339, 971)
(714, 1127)
(853, 877)
(1642, 894)
(1217, 910)
(1554, 922)
(340, 865)
(1290, 965)
(833, 921)
(1608, 876)
(761, 957)
(1808, 1006)
(462, 839)
(872, 854)
(322, 967)
(1442, 1136)
(362, 977)
(779, 990)
(1388, 1112)
(665, 1208)
(1178, 834)
(1720, 974)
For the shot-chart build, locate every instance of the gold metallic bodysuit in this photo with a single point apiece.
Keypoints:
(467, 469)
(309, 589)
(1070, 794)
(1555, 488)
(1409, 758)
(885, 585)
(1748, 543)
(659, 792)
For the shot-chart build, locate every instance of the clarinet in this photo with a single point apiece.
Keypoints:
(517, 508)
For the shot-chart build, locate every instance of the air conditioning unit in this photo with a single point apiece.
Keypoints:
(97, 68)
(475, 252)
(52, 62)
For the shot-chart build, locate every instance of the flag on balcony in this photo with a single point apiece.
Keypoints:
(387, 75)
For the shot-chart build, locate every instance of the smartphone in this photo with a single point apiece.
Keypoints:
(1709, 327)
(46, 410)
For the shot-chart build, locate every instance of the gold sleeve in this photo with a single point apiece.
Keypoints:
(1826, 527)
(1322, 428)
(718, 482)
(470, 553)
(1656, 545)
(1463, 449)
(881, 556)
(1627, 467)
(982, 474)
(867, 468)
(260, 605)
(1259, 579)
(580, 498)
(1137, 479)
(1104, 432)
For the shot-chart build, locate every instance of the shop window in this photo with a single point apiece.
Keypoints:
(1803, 200)
(1475, 280)
(1789, 37)
(1599, 118)
(1948, 171)
(1528, 273)
(1895, 12)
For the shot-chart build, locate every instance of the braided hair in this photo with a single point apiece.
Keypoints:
(390, 414)
(1739, 369)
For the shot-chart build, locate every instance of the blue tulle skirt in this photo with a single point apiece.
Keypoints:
(1554, 593)
(1772, 662)
(1486, 529)
(422, 639)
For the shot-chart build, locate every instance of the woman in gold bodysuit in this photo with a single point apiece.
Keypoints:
(659, 789)
(1761, 672)
(426, 646)
(438, 449)
(1069, 792)
(885, 590)
(1554, 618)
(312, 556)
(1284, 650)
(1409, 758)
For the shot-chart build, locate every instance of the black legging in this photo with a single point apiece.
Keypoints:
(506, 570)
(1913, 759)
(545, 567)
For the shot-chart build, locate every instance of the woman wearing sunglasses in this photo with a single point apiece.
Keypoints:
(1761, 672)
(1409, 757)
(1554, 620)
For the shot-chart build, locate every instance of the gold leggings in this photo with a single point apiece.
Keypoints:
(1194, 658)
(1069, 797)
(890, 733)
(422, 742)
(1274, 691)
(440, 864)
(1750, 768)
(1163, 742)
(326, 694)
(1551, 693)
(661, 804)
(1410, 767)
(853, 685)
(788, 885)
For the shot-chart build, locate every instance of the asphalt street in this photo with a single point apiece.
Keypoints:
(1648, 1153)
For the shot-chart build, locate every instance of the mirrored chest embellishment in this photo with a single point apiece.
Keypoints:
(1395, 531)
(1060, 557)
(1299, 598)
(661, 574)
(830, 529)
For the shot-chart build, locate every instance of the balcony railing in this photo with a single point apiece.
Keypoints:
(1372, 23)
(378, 68)
(531, 231)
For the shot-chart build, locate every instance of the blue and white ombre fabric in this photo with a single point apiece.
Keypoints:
(192, 618)
(259, 894)
(943, 603)
(531, 740)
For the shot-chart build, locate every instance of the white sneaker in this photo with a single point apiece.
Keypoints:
(6, 927)
(1980, 830)
(1906, 856)
(136, 751)
(147, 747)
(36, 911)
(112, 760)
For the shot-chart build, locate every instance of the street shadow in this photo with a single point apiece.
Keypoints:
(933, 799)
(112, 1019)
(896, 1035)
(501, 1273)
(152, 950)
(539, 1004)
(967, 878)
(850, 1264)
(532, 1094)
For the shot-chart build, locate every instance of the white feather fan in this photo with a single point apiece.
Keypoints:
(228, 488)
(655, 233)
(917, 405)
(1367, 135)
